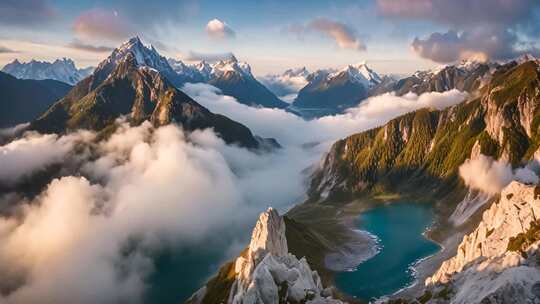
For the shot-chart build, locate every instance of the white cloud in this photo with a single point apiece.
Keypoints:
(146, 188)
(491, 176)
(344, 36)
(154, 188)
(218, 29)
(7, 134)
(33, 152)
(290, 129)
(485, 174)
(285, 86)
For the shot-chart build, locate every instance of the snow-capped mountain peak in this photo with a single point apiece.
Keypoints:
(231, 65)
(526, 57)
(144, 55)
(360, 73)
(204, 71)
(61, 69)
(204, 68)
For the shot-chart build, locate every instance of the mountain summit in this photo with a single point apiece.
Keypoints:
(132, 82)
(232, 77)
(145, 56)
(336, 91)
(266, 272)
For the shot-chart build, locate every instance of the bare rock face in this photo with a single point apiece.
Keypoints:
(267, 273)
(487, 267)
(269, 235)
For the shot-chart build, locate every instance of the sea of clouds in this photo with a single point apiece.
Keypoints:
(91, 233)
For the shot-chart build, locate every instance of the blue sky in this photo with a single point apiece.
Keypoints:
(273, 35)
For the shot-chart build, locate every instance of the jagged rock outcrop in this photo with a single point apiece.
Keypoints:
(499, 261)
(266, 272)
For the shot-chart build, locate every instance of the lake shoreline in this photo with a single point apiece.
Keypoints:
(363, 247)
(427, 266)
(419, 270)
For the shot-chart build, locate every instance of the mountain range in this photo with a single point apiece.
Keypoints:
(134, 81)
(329, 91)
(466, 76)
(61, 69)
(427, 146)
(337, 91)
(232, 77)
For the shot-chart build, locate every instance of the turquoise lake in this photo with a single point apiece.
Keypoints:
(399, 228)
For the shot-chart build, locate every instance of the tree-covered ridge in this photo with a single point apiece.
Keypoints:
(423, 150)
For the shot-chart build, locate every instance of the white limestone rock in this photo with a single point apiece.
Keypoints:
(268, 271)
(483, 270)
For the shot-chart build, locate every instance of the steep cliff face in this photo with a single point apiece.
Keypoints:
(499, 261)
(423, 150)
(266, 272)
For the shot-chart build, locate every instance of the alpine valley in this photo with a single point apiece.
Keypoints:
(383, 152)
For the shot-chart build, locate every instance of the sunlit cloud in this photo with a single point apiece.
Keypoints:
(483, 29)
(217, 29)
(343, 35)
(209, 57)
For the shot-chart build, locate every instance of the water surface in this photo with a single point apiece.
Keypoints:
(399, 228)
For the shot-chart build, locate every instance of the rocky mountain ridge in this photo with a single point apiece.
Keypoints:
(61, 69)
(466, 76)
(266, 272)
(338, 90)
(141, 92)
(499, 261)
(426, 147)
(232, 77)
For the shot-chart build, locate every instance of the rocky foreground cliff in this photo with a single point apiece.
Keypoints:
(499, 262)
(266, 272)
